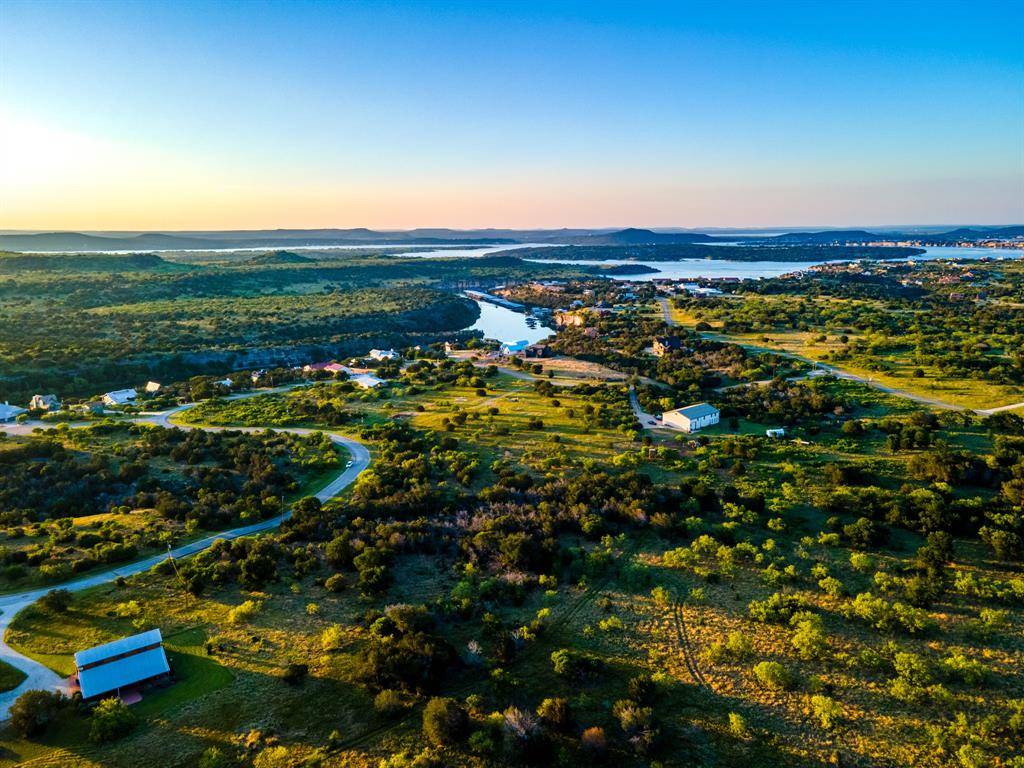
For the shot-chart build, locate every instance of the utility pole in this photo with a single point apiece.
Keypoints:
(181, 579)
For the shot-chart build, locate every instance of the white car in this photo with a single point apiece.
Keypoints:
(349, 464)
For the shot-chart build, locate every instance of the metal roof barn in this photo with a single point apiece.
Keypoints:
(130, 660)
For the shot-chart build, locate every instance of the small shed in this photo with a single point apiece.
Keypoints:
(106, 669)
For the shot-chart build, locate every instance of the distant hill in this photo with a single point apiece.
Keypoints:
(973, 233)
(77, 242)
(280, 257)
(633, 236)
(131, 262)
(827, 237)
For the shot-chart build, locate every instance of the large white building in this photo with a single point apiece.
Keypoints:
(120, 397)
(692, 417)
(384, 354)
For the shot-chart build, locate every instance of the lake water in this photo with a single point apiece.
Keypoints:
(505, 325)
(686, 269)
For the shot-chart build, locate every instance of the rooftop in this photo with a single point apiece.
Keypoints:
(696, 411)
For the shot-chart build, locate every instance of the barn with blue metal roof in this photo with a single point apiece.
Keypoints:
(130, 661)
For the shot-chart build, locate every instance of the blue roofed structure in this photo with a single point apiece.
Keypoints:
(512, 347)
(108, 668)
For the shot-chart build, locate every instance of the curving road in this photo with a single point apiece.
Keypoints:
(40, 676)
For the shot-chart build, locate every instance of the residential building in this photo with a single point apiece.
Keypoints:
(366, 380)
(537, 350)
(514, 347)
(665, 344)
(567, 319)
(152, 387)
(44, 403)
(10, 412)
(691, 418)
(384, 354)
(107, 669)
(780, 432)
(329, 367)
(120, 397)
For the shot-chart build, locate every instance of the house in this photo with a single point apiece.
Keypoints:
(10, 412)
(537, 350)
(255, 376)
(329, 367)
(92, 407)
(120, 397)
(567, 319)
(44, 403)
(665, 344)
(384, 354)
(514, 347)
(366, 380)
(780, 432)
(692, 417)
(107, 669)
(225, 383)
(152, 387)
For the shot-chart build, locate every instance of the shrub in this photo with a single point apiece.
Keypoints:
(862, 562)
(555, 714)
(593, 742)
(967, 671)
(244, 613)
(777, 608)
(33, 711)
(736, 647)
(332, 638)
(772, 674)
(827, 710)
(335, 583)
(56, 600)
(295, 674)
(391, 702)
(215, 758)
(444, 721)
(738, 726)
(809, 639)
(111, 719)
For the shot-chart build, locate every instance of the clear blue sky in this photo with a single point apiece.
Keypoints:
(218, 115)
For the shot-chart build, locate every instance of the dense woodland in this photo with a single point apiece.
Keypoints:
(71, 500)
(79, 324)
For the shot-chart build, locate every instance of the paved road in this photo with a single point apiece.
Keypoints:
(841, 374)
(41, 677)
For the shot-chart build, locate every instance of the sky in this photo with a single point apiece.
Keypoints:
(254, 115)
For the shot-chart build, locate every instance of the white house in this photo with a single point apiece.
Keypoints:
(692, 417)
(366, 380)
(9, 412)
(384, 354)
(513, 347)
(44, 403)
(152, 387)
(780, 432)
(120, 397)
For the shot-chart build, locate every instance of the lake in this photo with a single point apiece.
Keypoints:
(686, 269)
(505, 325)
